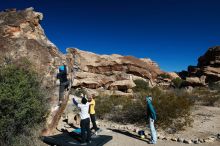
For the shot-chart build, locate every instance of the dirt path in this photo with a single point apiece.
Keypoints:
(124, 140)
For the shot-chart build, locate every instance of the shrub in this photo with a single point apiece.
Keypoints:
(206, 96)
(177, 82)
(22, 100)
(141, 85)
(164, 75)
(173, 108)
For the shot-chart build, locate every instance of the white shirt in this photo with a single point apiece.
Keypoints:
(84, 111)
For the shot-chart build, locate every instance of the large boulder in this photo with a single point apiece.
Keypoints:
(123, 85)
(113, 71)
(195, 81)
(22, 36)
(208, 65)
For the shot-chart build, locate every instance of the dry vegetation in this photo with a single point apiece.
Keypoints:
(173, 107)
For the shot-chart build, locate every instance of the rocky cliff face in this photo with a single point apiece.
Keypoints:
(22, 36)
(112, 72)
(207, 69)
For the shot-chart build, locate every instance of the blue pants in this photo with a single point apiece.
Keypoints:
(153, 131)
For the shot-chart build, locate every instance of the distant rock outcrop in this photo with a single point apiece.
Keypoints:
(207, 69)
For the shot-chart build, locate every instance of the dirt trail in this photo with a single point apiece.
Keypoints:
(123, 140)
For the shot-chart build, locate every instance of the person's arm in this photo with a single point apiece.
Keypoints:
(74, 101)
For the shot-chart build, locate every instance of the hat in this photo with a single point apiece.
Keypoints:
(149, 97)
(61, 67)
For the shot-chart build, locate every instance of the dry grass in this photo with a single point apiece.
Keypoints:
(172, 107)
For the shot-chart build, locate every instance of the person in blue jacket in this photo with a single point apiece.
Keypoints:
(64, 82)
(151, 116)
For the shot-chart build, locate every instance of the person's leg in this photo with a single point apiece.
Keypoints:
(153, 131)
(67, 85)
(94, 126)
(88, 129)
(61, 92)
(83, 130)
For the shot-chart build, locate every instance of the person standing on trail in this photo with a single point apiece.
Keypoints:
(85, 121)
(92, 113)
(151, 116)
(64, 83)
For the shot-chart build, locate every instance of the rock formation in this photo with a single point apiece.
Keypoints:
(112, 72)
(21, 36)
(207, 69)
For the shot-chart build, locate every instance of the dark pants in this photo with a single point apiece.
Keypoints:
(63, 86)
(85, 127)
(94, 126)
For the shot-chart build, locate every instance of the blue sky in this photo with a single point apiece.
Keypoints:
(174, 33)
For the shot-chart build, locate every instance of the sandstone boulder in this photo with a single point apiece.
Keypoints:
(195, 81)
(122, 85)
(208, 65)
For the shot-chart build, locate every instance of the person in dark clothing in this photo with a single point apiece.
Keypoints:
(85, 121)
(64, 83)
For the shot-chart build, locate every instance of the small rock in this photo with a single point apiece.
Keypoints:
(159, 136)
(180, 139)
(136, 130)
(173, 139)
(195, 141)
(187, 141)
(210, 139)
(201, 140)
(165, 138)
(218, 136)
(129, 128)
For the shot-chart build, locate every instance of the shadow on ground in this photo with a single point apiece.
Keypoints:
(130, 135)
(72, 139)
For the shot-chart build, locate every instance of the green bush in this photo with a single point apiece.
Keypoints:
(164, 75)
(141, 85)
(173, 110)
(23, 104)
(177, 82)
